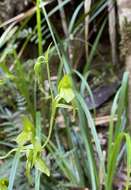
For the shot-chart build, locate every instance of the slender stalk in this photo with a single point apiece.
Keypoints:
(38, 17)
(49, 80)
(52, 34)
(54, 106)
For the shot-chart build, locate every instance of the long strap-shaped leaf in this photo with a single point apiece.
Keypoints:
(13, 170)
(38, 135)
(112, 162)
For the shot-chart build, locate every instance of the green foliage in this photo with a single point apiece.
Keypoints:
(116, 134)
(34, 148)
(66, 157)
(34, 160)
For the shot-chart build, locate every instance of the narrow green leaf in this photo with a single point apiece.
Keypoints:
(13, 170)
(112, 163)
(128, 150)
(38, 149)
(94, 47)
(74, 16)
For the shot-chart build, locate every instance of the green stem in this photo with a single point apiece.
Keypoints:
(49, 80)
(8, 154)
(38, 16)
(54, 106)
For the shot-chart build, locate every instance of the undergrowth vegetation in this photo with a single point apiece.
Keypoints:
(48, 135)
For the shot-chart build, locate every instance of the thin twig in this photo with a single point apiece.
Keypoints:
(104, 120)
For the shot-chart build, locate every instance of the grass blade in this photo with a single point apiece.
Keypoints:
(93, 50)
(13, 170)
(38, 136)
